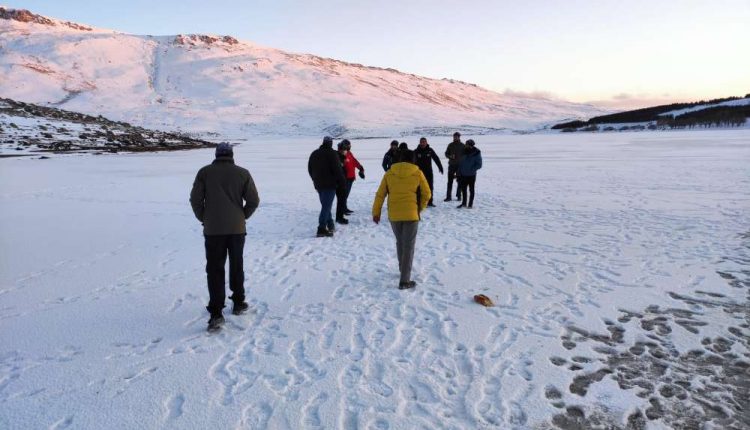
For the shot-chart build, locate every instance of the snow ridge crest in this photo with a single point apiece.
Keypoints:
(23, 15)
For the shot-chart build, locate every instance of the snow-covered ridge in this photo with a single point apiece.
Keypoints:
(23, 15)
(218, 84)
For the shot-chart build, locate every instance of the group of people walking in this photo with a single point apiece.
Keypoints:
(224, 196)
(333, 173)
(464, 160)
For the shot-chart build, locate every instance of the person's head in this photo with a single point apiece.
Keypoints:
(470, 143)
(345, 145)
(456, 137)
(422, 142)
(394, 145)
(403, 146)
(405, 156)
(224, 150)
(328, 141)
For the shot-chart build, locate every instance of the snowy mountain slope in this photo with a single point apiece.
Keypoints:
(218, 84)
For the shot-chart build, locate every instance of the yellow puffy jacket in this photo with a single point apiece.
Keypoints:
(403, 183)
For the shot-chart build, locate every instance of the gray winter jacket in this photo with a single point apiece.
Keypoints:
(217, 197)
(454, 153)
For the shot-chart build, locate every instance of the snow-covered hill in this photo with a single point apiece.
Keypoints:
(218, 84)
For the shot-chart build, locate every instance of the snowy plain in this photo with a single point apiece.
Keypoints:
(102, 290)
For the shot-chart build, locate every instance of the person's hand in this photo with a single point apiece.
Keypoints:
(362, 173)
(376, 219)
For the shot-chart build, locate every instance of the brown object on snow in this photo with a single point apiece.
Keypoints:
(483, 300)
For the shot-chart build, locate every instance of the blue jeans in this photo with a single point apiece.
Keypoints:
(326, 202)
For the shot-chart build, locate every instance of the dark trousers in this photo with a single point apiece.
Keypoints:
(325, 219)
(453, 174)
(340, 201)
(349, 183)
(465, 182)
(428, 176)
(217, 248)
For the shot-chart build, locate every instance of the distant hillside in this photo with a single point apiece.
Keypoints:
(27, 129)
(725, 112)
(218, 84)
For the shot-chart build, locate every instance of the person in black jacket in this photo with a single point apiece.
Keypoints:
(388, 157)
(327, 175)
(424, 156)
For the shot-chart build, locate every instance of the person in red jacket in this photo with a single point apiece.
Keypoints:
(350, 166)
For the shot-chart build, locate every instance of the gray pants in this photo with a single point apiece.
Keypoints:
(406, 238)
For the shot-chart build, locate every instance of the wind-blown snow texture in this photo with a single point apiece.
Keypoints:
(218, 84)
(619, 265)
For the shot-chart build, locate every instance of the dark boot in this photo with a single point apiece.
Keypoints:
(240, 308)
(406, 285)
(215, 322)
(323, 232)
(342, 220)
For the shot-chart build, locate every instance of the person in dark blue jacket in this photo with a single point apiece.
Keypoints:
(467, 172)
(388, 157)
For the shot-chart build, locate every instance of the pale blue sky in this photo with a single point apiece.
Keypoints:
(616, 52)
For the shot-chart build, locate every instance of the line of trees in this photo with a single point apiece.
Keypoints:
(715, 116)
(729, 116)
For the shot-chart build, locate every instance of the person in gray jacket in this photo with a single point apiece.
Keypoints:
(222, 198)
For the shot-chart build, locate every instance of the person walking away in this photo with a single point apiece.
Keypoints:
(217, 197)
(351, 164)
(467, 172)
(327, 175)
(424, 156)
(388, 157)
(454, 152)
(408, 193)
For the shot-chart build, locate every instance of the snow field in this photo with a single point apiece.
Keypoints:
(102, 286)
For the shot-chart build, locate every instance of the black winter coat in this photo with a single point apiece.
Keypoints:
(325, 168)
(424, 158)
(388, 160)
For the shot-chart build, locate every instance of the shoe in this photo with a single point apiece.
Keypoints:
(447, 199)
(215, 322)
(470, 207)
(240, 308)
(324, 232)
(406, 285)
(342, 220)
(348, 212)
(460, 206)
(430, 205)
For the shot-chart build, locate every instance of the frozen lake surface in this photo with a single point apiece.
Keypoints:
(619, 264)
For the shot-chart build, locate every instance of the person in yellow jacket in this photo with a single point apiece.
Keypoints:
(408, 193)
